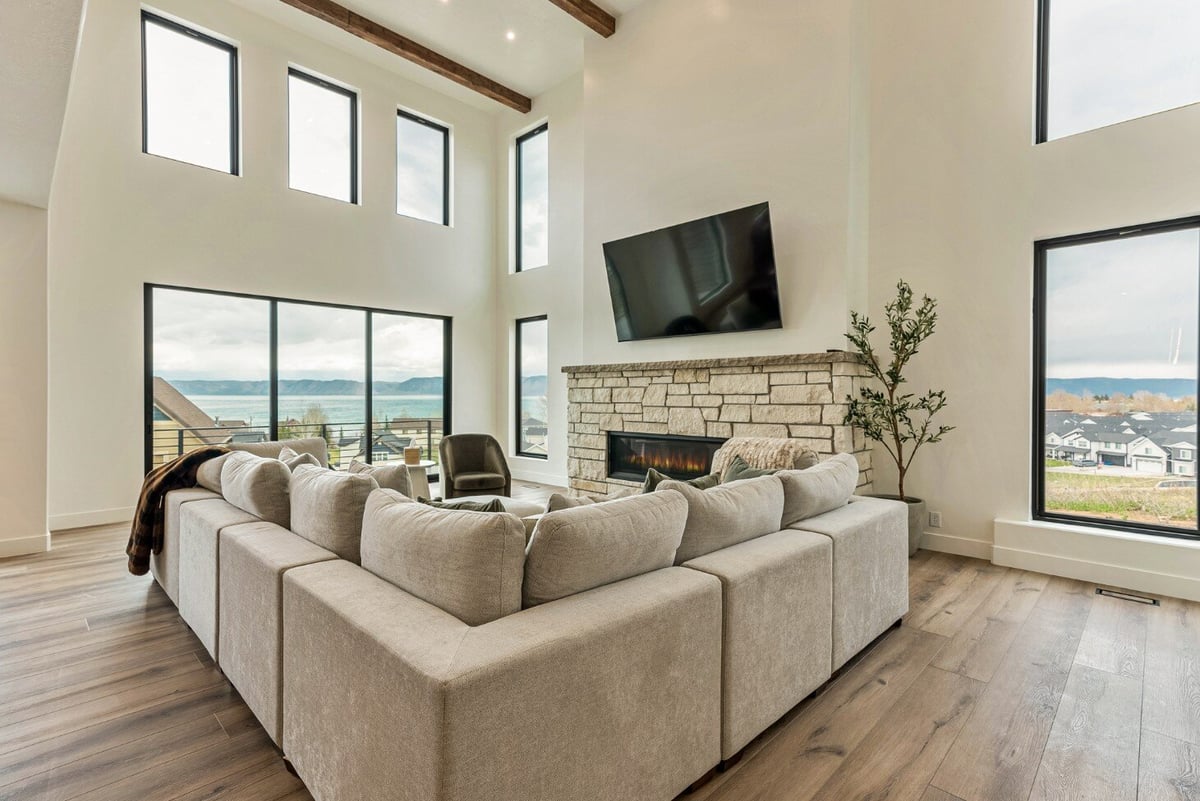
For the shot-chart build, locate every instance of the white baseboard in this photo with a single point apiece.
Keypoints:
(960, 546)
(100, 517)
(20, 546)
(1156, 565)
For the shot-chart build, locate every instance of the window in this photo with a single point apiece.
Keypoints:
(1125, 361)
(322, 137)
(533, 199)
(422, 169)
(224, 368)
(1105, 62)
(532, 373)
(189, 95)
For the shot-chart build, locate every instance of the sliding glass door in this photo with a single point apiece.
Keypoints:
(226, 368)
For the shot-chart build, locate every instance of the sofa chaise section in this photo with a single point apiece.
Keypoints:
(164, 565)
(611, 693)
(200, 525)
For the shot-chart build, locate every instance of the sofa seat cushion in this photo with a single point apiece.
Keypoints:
(727, 514)
(818, 489)
(327, 508)
(392, 475)
(578, 549)
(478, 481)
(258, 485)
(469, 564)
(777, 609)
(870, 570)
(254, 557)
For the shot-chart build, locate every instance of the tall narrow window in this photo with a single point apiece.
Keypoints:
(189, 95)
(533, 199)
(532, 373)
(422, 169)
(1106, 62)
(1116, 368)
(409, 388)
(322, 137)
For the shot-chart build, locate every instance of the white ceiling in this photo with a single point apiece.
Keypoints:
(547, 48)
(37, 50)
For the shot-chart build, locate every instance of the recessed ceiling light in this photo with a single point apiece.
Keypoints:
(510, 35)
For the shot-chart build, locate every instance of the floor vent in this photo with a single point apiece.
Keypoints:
(1125, 596)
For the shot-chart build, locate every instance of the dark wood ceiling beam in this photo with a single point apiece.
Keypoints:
(590, 15)
(419, 54)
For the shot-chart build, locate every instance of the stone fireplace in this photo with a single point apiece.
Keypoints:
(673, 415)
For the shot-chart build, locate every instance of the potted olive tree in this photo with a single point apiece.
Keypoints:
(900, 421)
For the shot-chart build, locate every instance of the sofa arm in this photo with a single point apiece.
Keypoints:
(363, 677)
(611, 693)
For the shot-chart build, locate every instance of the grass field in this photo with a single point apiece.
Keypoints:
(1119, 497)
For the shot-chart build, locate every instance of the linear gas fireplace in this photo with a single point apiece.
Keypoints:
(631, 455)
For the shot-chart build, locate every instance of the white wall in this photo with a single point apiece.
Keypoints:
(121, 218)
(554, 290)
(958, 195)
(701, 106)
(22, 379)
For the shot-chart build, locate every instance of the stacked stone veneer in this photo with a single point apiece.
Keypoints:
(801, 397)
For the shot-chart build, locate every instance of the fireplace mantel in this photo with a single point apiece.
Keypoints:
(798, 396)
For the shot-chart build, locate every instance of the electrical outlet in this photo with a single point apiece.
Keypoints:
(935, 519)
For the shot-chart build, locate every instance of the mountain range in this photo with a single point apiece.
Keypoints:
(431, 385)
(1085, 387)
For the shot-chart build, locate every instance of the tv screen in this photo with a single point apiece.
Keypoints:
(707, 276)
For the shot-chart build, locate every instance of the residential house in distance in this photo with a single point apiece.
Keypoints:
(1151, 443)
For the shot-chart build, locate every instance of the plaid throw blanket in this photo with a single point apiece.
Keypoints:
(146, 537)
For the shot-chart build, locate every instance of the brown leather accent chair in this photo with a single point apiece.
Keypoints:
(473, 464)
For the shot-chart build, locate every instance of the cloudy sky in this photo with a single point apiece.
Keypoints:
(1125, 308)
(535, 201)
(1114, 60)
(420, 155)
(197, 335)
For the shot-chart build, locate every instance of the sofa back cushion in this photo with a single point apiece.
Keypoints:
(728, 514)
(819, 489)
(469, 564)
(393, 475)
(293, 459)
(327, 508)
(257, 485)
(314, 445)
(576, 549)
(776, 453)
(208, 474)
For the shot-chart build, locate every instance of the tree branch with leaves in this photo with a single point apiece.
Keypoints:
(900, 421)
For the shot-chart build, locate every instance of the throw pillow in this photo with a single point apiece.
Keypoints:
(493, 505)
(258, 485)
(467, 564)
(391, 475)
(654, 478)
(557, 502)
(327, 508)
(738, 470)
(819, 489)
(294, 460)
(728, 514)
(574, 550)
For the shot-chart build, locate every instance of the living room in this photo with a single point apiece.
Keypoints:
(935, 143)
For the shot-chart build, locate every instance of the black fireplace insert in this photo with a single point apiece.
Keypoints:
(631, 455)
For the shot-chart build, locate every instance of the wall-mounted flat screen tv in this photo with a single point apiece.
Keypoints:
(707, 276)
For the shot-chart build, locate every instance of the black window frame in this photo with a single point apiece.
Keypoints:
(296, 72)
(519, 233)
(235, 167)
(446, 158)
(520, 321)
(273, 366)
(1038, 500)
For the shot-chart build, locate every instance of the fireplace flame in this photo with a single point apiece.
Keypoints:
(668, 462)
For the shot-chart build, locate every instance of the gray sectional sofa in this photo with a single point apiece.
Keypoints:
(615, 650)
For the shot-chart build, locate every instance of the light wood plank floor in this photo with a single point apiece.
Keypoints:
(1001, 685)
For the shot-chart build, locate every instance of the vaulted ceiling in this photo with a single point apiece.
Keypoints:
(545, 48)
